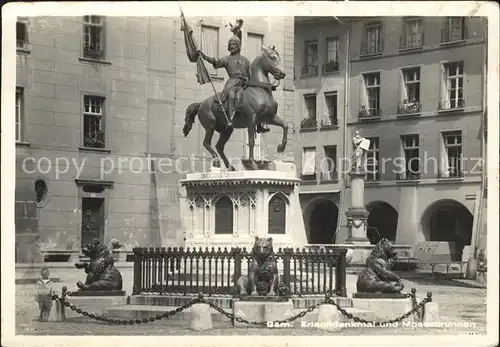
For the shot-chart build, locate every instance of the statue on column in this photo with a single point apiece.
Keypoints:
(360, 146)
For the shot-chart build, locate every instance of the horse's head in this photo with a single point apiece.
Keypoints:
(269, 62)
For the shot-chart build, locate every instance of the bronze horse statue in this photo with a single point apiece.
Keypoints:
(256, 106)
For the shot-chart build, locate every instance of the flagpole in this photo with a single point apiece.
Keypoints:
(209, 76)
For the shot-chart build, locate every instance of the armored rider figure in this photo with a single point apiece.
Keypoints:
(238, 69)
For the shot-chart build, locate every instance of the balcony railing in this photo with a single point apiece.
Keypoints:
(409, 108)
(328, 175)
(370, 47)
(411, 42)
(331, 122)
(372, 176)
(451, 173)
(408, 176)
(452, 104)
(330, 67)
(309, 123)
(369, 113)
(92, 52)
(94, 140)
(309, 70)
(448, 37)
(309, 177)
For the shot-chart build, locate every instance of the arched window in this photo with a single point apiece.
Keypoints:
(224, 215)
(41, 192)
(277, 215)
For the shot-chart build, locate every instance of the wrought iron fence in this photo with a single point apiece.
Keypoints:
(188, 271)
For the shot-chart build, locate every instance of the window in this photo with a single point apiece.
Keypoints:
(410, 91)
(223, 215)
(277, 215)
(372, 160)
(410, 144)
(452, 154)
(331, 104)
(412, 34)
(21, 35)
(93, 119)
(310, 105)
(329, 165)
(253, 47)
(332, 55)
(93, 37)
(371, 107)
(453, 30)
(19, 113)
(210, 44)
(41, 192)
(453, 81)
(309, 163)
(311, 58)
(372, 42)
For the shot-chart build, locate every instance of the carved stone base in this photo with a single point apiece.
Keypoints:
(98, 293)
(384, 308)
(380, 295)
(260, 311)
(260, 298)
(94, 304)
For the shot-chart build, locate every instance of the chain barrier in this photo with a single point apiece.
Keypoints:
(416, 307)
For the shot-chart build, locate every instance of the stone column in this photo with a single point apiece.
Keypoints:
(357, 215)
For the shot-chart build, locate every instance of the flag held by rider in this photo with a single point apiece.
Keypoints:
(202, 73)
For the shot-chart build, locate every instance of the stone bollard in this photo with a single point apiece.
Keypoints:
(431, 311)
(328, 318)
(201, 317)
(57, 312)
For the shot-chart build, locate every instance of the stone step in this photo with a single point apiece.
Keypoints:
(224, 301)
(147, 311)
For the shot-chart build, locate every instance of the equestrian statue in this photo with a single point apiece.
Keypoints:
(246, 101)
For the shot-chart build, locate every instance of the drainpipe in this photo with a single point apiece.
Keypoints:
(344, 125)
(472, 261)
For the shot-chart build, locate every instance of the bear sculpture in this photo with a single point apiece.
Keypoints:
(377, 277)
(263, 278)
(101, 271)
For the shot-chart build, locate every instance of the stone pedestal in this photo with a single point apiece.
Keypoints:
(261, 311)
(201, 317)
(261, 203)
(383, 306)
(357, 220)
(94, 302)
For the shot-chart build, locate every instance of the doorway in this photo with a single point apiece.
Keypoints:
(92, 220)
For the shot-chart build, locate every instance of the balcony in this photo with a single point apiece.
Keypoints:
(409, 108)
(372, 48)
(369, 114)
(408, 43)
(450, 174)
(451, 105)
(330, 67)
(408, 176)
(450, 37)
(309, 70)
(328, 176)
(308, 178)
(308, 123)
(331, 123)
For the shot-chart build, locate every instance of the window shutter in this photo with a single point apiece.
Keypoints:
(444, 99)
(443, 162)
(309, 161)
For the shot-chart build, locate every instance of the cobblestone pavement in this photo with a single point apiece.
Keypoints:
(456, 304)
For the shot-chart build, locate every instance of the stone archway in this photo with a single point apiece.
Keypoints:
(322, 221)
(382, 222)
(448, 221)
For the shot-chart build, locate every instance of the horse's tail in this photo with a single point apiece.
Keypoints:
(191, 113)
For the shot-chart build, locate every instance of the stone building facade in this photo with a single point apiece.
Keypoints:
(416, 90)
(100, 106)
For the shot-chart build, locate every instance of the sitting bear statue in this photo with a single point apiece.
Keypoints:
(377, 277)
(263, 278)
(101, 272)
